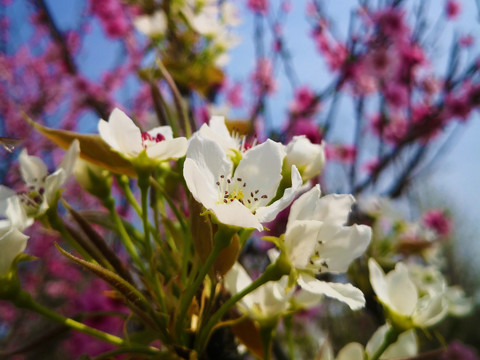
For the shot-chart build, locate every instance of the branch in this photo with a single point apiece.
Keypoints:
(100, 107)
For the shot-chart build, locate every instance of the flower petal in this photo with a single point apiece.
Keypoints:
(121, 133)
(12, 243)
(33, 169)
(166, 131)
(304, 207)
(342, 244)
(168, 149)
(69, 160)
(300, 241)
(401, 291)
(5, 193)
(351, 351)
(346, 293)
(261, 169)
(268, 213)
(236, 214)
(205, 163)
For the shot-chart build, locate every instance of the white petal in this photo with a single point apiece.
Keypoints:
(343, 244)
(401, 291)
(304, 207)
(236, 279)
(378, 280)
(121, 133)
(334, 208)
(430, 310)
(351, 351)
(236, 214)
(268, 213)
(5, 193)
(16, 215)
(168, 149)
(346, 293)
(200, 184)
(261, 169)
(69, 160)
(52, 184)
(166, 131)
(300, 241)
(406, 345)
(33, 169)
(12, 243)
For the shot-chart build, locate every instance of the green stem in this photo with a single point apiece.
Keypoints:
(222, 239)
(273, 272)
(57, 223)
(25, 301)
(266, 333)
(391, 337)
(123, 182)
(109, 203)
(288, 320)
(143, 184)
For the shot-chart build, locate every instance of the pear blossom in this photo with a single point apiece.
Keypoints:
(42, 187)
(151, 25)
(405, 346)
(405, 304)
(267, 302)
(307, 157)
(12, 240)
(242, 196)
(429, 280)
(318, 240)
(121, 133)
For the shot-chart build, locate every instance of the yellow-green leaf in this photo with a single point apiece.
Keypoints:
(92, 149)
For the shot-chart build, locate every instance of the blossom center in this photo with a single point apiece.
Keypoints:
(230, 189)
(148, 140)
(31, 199)
(316, 262)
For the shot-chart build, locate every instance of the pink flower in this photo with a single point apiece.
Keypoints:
(452, 9)
(382, 63)
(345, 154)
(258, 6)
(234, 95)
(307, 128)
(262, 77)
(438, 221)
(457, 107)
(396, 95)
(466, 40)
(391, 23)
(305, 102)
(458, 351)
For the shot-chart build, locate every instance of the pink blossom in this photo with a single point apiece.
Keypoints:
(371, 166)
(258, 6)
(262, 77)
(438, 221)
(396, 95)
(307, 128)
(234, 95)
(390, 22)
(452, 9)
(382, 63)
(305, 102)
(345, 154)
(466, 40)
(457, 107)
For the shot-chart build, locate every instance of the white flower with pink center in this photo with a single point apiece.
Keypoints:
(121, 133)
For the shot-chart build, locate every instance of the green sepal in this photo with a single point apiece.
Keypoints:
(9, 284)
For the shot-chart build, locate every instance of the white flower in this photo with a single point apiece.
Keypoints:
(405, 346)
(239, 197)
(12, 241)
(307, 157)
(429, 280)
(317, 240)
(124, 136)
(267, 302)
(151, 25)
(218, 131)
(42, 187)
(398, 293)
